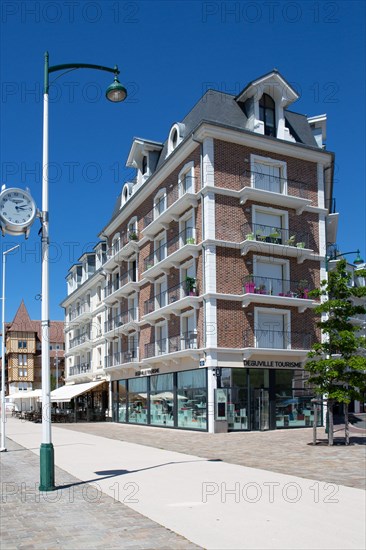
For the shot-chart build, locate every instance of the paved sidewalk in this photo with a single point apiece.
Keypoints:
(214, 504)
(283, 451)
(75, 517)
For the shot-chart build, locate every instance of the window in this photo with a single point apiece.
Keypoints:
(270, 225)
(187, 230)
(144, 165)
(22, 359)
(22, 344)
(160, 247)
(132, 230)
(161, 339)
(22, 373)
(271, 330)
(188, 332)
(160, 203)
(267, 114)
(268, 174)
(186, 179)
(160, 293)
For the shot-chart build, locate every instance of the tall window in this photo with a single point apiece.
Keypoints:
(22, 344)
(267, 115)
(22, 359)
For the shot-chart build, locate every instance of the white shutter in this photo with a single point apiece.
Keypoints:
(267, 177)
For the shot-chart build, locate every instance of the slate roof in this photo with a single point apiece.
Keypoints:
(224, 109)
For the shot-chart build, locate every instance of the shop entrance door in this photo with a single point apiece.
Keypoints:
(260, 410)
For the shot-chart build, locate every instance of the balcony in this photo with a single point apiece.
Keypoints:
(82, 368)
(81, 341)
(275, 240)
(171, 253)
(170, 301)
(120, 358)
(82, 311)
(121, 323)
(276, 342)
(121, 287)
(275, 190)
(121, 250)
(268, 290)
(181, 197)
(181, 345)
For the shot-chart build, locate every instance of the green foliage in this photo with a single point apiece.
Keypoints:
(337, 366)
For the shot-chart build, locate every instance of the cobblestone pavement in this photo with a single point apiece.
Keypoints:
(283, 451)
(74, 517)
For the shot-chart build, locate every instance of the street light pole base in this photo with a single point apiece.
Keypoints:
(3, 450)
(47, 466)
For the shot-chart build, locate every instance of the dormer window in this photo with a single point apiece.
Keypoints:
(176, 135)
(267, 114)
(144, 165)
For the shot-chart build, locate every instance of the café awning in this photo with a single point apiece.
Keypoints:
(25, 394)
(64, 394)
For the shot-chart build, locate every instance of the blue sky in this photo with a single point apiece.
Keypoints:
(169, 54)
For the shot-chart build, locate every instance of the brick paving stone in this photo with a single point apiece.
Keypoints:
(31, 520)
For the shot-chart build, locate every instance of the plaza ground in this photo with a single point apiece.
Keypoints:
(123, 486)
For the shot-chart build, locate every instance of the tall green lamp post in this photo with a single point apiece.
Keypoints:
(115, 93)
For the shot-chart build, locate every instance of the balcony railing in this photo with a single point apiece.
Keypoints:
(173, 344)
(80, 339)
(276, 287)
(274, 235)
(275, 184)
(120, 243)
(172, 294)
(121, 358)
(177, 191)
(277, 339)
(187, 236)
(80, 369)
(127, 277)
(84, 307)
(121, 319)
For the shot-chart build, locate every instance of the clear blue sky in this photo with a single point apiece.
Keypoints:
(169, 53)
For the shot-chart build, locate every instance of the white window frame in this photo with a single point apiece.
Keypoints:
(274, 212)
(161, 194)
(132, 226)
(159, 240)
(191, 213)
(271, 260)
(187, 169)
(269, 162)
(285, 313)
(188, 313)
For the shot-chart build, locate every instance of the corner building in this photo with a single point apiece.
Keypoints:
(196, 306)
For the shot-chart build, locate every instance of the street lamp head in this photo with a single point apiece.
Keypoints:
(116, 92)
(358, 260)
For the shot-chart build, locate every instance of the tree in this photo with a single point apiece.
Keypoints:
(337, 366)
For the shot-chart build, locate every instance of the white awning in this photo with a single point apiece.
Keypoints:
(64, 394)
(25, 394)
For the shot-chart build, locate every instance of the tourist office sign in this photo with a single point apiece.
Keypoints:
(272, 364)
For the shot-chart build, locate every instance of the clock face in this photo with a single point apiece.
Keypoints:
(17, 209)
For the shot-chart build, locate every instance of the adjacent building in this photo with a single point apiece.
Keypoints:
(194, 306)
(23, 343)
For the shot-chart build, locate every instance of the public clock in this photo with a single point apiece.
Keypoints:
(17, 211)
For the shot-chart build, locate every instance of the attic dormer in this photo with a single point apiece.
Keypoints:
(318, 125)
(144, 156)
(264, 101)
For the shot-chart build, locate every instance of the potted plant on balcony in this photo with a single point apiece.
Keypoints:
(249, 237)
(303, 290)
(249, 285)
(133, 236)
(300, 244)
(291, 241)
(191, 286)
(275, 236)
(262, 289)
(190, 240)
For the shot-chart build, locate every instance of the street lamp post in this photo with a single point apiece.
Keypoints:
(115, 93)
(357, 261)
(3, 412)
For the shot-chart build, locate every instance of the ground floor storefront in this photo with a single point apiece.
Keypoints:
(241, 399)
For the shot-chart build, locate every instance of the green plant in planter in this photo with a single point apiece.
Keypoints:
(190, 285)
(291, 241)
(133, 236)
(249, 237)
(190, 240)
(301, 244)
